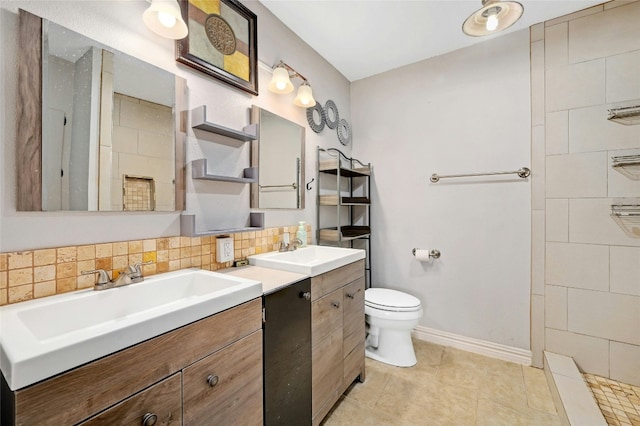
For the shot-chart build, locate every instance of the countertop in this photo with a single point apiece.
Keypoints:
(272, 279)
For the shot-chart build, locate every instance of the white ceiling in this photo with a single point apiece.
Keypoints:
(361, 38)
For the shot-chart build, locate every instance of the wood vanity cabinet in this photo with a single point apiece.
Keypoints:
(207, 372)
(337, 335)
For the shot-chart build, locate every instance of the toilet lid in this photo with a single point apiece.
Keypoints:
(391, 300)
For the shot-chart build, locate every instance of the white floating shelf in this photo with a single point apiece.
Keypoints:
(199, 171)
(199, 121)
(188, 226)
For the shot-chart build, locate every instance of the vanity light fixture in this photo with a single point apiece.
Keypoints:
(281, 83)
(164, 18)
(494, 16)
(304, 97)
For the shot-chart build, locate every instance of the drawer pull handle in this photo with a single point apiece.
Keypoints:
(213, 380)
(149, 419)
(350, 295)
(335, 304)
(306, 295)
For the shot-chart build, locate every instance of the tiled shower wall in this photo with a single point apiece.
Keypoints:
(585, 268)
(45, 272)
(142, 146)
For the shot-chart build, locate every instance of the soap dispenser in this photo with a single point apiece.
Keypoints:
(302, 234)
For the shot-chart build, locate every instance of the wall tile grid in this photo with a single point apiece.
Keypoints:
(591, 266)
(39, 273)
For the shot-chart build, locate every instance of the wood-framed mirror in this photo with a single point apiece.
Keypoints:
(98, 130)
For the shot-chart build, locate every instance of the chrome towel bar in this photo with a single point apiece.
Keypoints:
(523, 172)
(292, 186)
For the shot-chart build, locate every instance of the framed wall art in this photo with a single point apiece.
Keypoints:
(222, 41)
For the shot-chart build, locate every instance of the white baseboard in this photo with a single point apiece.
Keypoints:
(469, 344)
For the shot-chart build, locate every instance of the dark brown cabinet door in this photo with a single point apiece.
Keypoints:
(287, 355)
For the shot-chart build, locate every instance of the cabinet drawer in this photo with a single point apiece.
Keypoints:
(161, 401)
(327, 370)
(332, 280)
(353, 307)
(326, 316)
(235, 397)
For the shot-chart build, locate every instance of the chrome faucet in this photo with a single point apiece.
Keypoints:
(290, 246)
(132, 274)
(103, 281)
(135, 271)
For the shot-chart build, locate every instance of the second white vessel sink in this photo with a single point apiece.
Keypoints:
(310, 260)
(44, 337)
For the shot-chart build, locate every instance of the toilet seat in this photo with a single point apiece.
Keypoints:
(385, 299)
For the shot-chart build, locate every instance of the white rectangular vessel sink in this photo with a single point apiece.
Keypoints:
(310, 260)
(43, 337)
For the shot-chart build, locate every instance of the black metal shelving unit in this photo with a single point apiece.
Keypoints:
(351, 197)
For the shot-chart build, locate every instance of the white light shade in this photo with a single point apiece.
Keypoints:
(304, 98)
(164, 18)
(493, 17)
(280, 82)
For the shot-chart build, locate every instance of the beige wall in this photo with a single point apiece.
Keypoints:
(463, 112)
(216, 204)
(586, 269)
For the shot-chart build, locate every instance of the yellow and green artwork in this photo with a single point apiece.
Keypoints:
(221, 41)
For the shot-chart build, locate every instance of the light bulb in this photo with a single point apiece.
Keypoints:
(166, 19)
(492, 22)
(305, 96)
(280, 82)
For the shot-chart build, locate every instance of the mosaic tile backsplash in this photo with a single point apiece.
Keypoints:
(44, 272)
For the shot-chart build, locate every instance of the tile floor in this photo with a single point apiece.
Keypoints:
(619, 402)
(447, 387)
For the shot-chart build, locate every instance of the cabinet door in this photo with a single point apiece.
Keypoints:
(326, 316)
(226, 387)
(354, 328)
(160, 405)
(327, 373)
(325, 283)
(287, 355)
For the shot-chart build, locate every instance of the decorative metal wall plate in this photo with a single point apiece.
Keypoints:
(220, 34)
(330, 109)
(344, 132)
(316, 127)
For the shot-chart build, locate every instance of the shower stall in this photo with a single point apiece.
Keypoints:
(585, 144)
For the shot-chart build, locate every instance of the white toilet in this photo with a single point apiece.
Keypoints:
(390, 316)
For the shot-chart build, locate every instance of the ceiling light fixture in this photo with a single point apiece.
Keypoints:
(164, 18)
(281, 83)
(494, 16)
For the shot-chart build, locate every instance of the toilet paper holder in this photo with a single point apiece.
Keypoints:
(433, 254)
